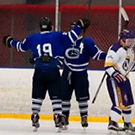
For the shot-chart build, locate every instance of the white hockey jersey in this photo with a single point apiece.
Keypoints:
(119, 58)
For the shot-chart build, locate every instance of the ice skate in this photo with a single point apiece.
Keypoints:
(35, 121)
(65, 122)
(114, 128)
(84, 122)
(128, 127)
(58, 122)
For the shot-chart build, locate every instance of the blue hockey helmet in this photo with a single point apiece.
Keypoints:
(46, 24)
(127, 33)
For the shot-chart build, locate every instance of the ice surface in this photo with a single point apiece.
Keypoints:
(23, 127)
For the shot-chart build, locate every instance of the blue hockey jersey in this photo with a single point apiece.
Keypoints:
(78, 55)
(47, 43)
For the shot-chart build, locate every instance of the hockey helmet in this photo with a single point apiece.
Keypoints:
(46, 24)
(127, 33)
(128, 36)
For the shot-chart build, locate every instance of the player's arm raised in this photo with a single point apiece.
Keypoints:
(20, 46)
(80, 26)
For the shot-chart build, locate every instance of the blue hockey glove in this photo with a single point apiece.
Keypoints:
(83, 23)
(7, 40)
(119, 78)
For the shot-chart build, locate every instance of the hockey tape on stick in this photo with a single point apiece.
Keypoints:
(125, 16)
(99, 88)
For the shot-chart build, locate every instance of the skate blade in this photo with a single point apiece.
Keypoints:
(35, 129)
(113, 132)
(65, 128)
(59, 130)
(84, 128)
(129, 132)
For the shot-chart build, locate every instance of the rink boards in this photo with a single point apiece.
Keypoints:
(15, 89)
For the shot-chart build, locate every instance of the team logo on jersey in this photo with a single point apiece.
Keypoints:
(72, 53)
(125, 64)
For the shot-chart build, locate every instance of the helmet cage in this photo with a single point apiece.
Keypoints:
(129, 42)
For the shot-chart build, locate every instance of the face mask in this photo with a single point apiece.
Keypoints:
(129, 42)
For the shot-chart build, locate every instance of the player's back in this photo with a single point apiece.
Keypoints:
(47, 44)
(77, 56)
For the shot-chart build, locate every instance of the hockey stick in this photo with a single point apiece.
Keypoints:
(103, 81)
(130, 69)
(88, 10)
(99, 88)
(122, 13)
(126, 21)
(125, 17)
(88, 13)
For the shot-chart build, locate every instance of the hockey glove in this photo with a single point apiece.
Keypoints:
(72, 25)
(7, 40)
(119, 78)
(32, 61)
(83, 23)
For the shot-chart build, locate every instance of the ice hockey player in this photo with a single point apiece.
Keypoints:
(48, 49)
(75, 76)
(119, 62)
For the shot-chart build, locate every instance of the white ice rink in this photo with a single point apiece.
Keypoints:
(15, 98)
(23, 127)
